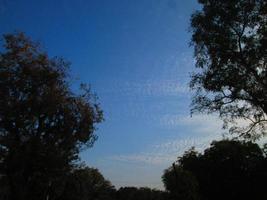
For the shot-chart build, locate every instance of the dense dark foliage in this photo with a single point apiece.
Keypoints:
(133, 193)
(230, 40)
(227, 170)
(86, 183)
(181, 183)
(43, 125)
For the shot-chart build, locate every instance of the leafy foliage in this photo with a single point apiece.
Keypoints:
(87, 183)
(229, 169)
(230, 39)
(43, 124)
(180, 183)
(143, 193)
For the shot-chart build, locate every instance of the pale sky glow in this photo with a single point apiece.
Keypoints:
(136, 56)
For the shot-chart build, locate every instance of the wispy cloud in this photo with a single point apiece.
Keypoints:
(148, 100)
(147, 158)
(168, 76)
(165, 153)
(203, 130)
(145, 88)
(200, 123)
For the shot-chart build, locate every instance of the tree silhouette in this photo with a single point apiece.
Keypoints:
(230, 39)
(226, 170)
(143, 193)
(43, 124)
(87, 183)
(180, 183)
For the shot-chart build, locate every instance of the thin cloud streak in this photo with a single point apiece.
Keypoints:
(166, 153)
(204, 130)
(200, 123)
(145, 88)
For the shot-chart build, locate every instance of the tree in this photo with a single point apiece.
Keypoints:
(143, 193)
(228, 169)
(43, 124)
(87, 184)
(181, 183)
(230, 39)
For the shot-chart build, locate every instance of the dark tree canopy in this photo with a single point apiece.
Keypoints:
(230, 40)
(181, 183)
(86, 183)
(226, 170)
(143, 193)
(43, 124)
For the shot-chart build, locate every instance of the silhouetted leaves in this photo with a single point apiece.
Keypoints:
(227, 170)
(143, 193)
(87, 183)
(43, 124)
(230, 40)
(180, 183)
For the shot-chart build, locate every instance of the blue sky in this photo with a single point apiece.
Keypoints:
(136, 56)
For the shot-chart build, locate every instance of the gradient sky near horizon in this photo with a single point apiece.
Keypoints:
(136, 56)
